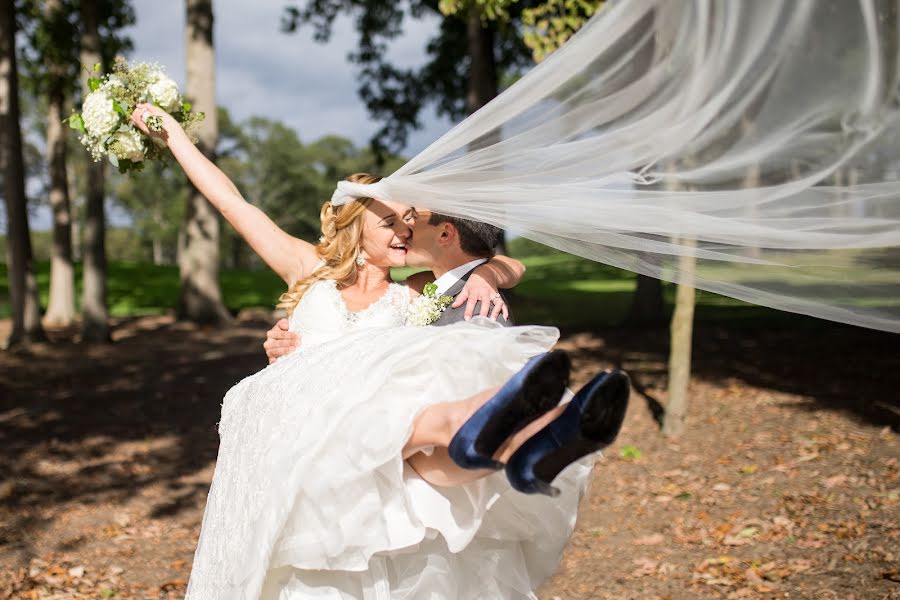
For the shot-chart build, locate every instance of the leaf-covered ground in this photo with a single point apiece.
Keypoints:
(785, 486)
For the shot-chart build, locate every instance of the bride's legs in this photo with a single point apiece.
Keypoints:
(436, 424)
(438, 468)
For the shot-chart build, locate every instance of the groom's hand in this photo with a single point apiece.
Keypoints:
(280, 342)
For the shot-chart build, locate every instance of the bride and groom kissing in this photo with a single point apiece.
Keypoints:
(527, 406)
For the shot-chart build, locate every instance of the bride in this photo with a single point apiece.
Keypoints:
(362, 465)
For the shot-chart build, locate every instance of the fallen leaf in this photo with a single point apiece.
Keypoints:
(653, 539)
(834, 481)
(76, 571)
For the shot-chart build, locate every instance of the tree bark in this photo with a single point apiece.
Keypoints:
(647, 306)
(61, 305)
(26, 310)
(482, 85)
(681, 332)
(95, 314)
(198, 252)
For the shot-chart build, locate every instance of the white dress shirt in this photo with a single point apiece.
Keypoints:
(451, 277)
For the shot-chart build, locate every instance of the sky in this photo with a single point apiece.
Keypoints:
(262, 71)
(289, 77)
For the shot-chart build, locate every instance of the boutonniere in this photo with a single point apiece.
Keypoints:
(427, 308)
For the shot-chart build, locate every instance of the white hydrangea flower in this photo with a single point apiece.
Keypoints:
(164, 92)
(127, 145)
(99, 114)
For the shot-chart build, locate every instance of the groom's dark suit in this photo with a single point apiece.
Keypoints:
(452, 315)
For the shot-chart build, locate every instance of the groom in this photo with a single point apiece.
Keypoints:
(453, 248)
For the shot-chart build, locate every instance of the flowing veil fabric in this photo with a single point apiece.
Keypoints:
(749, 148)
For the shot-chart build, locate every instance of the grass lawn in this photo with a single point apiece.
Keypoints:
(145, 289)
(558, 289)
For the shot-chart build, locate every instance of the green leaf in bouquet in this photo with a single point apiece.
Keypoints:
(113, 160)
(76, 122)
(186, 107)
(96, 67)
(93, 84)
(120, 109)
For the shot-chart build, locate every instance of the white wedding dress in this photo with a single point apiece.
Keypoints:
(312, 499)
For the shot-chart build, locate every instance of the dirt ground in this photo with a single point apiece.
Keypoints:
(785, 486)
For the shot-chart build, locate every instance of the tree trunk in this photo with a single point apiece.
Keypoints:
(682, 329)
(483, 67)
(647, 306)
(26, 309)
(198, 248)
(61, 305)
(95, 317)
(157, 246)
(482, 87)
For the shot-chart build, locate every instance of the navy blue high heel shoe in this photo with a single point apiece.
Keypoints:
(534, 390)
(590, 422)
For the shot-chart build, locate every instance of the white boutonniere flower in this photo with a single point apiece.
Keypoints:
(427, 308)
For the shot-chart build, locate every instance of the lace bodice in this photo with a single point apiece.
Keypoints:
(322, 314)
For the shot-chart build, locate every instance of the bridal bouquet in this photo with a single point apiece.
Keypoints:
(105, 117)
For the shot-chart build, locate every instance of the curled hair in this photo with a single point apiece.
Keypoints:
(339, 246)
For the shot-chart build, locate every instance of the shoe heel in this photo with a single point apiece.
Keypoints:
(536, 389)
(591, 421)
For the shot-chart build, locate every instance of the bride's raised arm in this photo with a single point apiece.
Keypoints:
(290, 257)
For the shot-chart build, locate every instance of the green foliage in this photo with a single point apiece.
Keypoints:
(548, 26)
(490, 10)
(285, 178)
(143, 289)
(629, 452)
(76, 122)
(50, 54)
(395, 96)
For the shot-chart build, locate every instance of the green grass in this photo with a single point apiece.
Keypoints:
(146, 289)
(558, 289)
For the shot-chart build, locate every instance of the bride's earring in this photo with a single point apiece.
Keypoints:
(360, 261)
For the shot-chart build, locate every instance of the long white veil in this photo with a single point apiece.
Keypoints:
(751, 148)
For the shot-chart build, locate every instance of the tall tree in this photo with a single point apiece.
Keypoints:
(681, 333)
(198, 253)
(26, 311)
(95, 312)
(52, 72)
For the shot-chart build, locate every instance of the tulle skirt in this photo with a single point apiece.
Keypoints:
(311, 497)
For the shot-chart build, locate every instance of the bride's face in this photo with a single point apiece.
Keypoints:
(385, 234)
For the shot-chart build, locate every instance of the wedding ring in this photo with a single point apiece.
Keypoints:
(495, 295)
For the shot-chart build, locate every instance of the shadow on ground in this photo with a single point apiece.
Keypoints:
(102, 426)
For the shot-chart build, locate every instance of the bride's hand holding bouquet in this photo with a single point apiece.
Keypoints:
(107, 120)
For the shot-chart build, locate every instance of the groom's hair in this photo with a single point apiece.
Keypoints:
(475, 238)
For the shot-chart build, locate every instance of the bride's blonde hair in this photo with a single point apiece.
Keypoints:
(339, 246)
